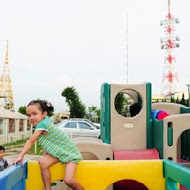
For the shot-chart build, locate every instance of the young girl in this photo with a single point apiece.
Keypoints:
(57, 145)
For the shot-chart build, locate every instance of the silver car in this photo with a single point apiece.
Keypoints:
(79, 128)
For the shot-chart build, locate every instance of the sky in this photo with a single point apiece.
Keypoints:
(54, 44)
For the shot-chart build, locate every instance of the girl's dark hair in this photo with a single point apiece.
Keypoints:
(43, 105)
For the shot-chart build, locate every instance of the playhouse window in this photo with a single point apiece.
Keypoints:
(125, 101)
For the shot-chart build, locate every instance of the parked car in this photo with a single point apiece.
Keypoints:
(97, 125)
(79, 128)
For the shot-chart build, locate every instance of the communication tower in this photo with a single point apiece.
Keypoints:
(6, 93)
(168, 43)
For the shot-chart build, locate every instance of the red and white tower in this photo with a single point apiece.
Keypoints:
(168, 43)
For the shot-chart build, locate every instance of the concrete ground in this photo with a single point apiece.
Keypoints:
(12, 158)
(12, 152)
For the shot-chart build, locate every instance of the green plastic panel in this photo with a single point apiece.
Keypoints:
(157, 136)
(183, 142)
(105, 113)
(185, 145)
(175, 173)
(139, 99)
(188, 145)
(148, 119)
(184, 109)
(185, 138)
(170, 134)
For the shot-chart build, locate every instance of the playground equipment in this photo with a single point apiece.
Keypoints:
(173, 140)
(93, 175)
(131, 145)
(169, 136)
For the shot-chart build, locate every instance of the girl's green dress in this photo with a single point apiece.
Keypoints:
(57, 143)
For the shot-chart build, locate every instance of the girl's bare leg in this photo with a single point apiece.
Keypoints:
(69, 179)
(45, 163)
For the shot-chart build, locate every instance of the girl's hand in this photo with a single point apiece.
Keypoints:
(18, 160)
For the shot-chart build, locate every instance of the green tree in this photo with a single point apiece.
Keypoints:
(76, 107)
(98, 114)
(119, 102)
(92, 109)
(22, 109)
(183, 100)
(172, 99)
(177, 100)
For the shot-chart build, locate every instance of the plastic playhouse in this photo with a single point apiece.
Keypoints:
(135, 153)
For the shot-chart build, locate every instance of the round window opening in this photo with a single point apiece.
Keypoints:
(128, 103)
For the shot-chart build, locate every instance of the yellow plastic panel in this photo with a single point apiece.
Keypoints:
(98, 175)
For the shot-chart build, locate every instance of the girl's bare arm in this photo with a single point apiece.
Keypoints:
(28, 145)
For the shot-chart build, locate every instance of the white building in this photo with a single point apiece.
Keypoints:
(175, 96)
(13, 126)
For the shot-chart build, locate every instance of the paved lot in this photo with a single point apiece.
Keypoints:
(12, 153)
(12, 158)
